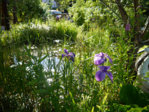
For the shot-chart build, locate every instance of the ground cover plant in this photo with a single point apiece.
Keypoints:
(82, 64)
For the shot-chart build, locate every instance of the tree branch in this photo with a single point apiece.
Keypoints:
(146, 42)
(146, 26)
(109, 8)
(122, 12)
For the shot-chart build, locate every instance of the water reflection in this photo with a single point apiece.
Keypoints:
(36, 54)
(46, 56)
(45, 63)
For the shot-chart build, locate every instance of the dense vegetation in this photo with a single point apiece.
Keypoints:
(49, 65)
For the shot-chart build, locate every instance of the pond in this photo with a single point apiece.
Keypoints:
(44, 59)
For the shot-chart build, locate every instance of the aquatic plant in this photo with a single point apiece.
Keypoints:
(70, 55)
(101, 58)
(100, 75)
(98, 60)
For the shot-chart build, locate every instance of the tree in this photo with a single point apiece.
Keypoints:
(14, 12)
(4, 15)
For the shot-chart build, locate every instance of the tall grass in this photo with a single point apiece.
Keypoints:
(38, 32)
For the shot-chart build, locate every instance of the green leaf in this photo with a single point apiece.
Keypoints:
(40, 60)
(92, 109)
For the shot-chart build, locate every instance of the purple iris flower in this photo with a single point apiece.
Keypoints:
(101, 58)
(127, 28)
(100, 75)
(68, 55)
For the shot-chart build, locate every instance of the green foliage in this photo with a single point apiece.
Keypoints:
(128, 108)
(119, 107)
(37, 32)
(28, 9)
(64, 4)
(129, 95)
(92, 12)
(80, 15)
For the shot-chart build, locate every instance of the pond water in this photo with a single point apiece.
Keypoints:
(51, 54)
(45, 57)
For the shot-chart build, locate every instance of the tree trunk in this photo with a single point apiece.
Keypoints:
(122, 12)
(5, 16)
(137, 32)
(15, 13)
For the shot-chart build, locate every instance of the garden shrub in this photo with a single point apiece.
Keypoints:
(129, 94)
